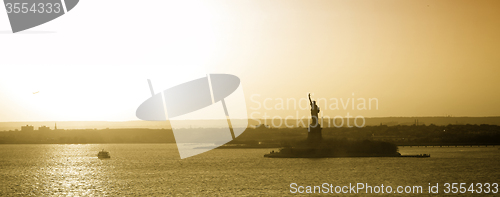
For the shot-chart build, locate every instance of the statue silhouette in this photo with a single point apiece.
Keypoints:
(314, 112)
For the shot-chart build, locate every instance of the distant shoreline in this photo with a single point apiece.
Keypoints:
(270, 147)
(138, 124)
(262, 136)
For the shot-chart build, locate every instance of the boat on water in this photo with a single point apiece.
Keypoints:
(103, 154)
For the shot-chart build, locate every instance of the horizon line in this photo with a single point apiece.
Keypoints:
(497, 116)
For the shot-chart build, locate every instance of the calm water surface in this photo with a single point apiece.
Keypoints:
(155, 169)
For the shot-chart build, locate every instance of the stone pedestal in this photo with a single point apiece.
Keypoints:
(314, 133)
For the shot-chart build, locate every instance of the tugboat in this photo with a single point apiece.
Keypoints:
(103, 154)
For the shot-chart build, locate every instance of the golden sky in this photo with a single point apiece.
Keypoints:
(418, 58)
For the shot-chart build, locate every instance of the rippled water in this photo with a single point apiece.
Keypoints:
(155, 169)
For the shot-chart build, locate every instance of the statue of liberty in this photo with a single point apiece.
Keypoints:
(314, 112)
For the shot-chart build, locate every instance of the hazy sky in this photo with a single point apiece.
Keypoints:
(418, 58)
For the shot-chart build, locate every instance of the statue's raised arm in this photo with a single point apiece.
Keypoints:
(310, 102)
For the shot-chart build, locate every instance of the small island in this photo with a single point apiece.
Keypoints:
(317, 147)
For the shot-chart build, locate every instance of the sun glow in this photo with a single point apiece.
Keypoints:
(109, 95)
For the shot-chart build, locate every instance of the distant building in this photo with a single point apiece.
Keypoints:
(27, 128)
(56, 129)
(44, 128)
